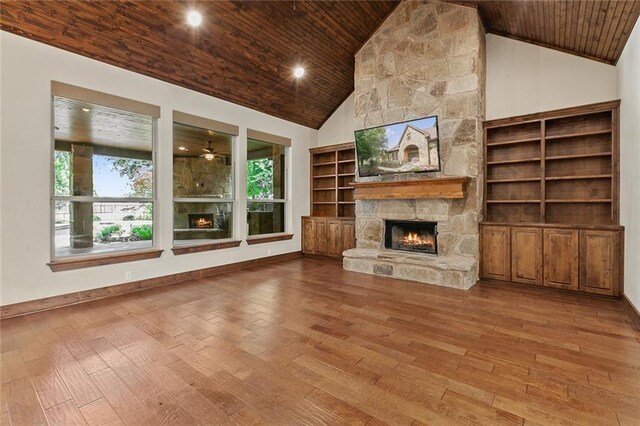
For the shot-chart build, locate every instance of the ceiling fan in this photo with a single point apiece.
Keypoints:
(209, 152)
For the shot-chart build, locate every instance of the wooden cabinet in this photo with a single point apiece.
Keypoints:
(587, 259)
(308, 233)
(327, 236)
(334, 238)
(599, 261)
(560, 247)
(496, 253)
(526, 255)
(552, 180)
(320, 237)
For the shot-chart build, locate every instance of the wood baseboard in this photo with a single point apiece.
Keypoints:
(632, 311)
(543, 289)
(32, 306)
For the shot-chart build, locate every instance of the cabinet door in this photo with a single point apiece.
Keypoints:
(308, 235)
(526, 255)
(334, 238)
(600, 262)
(496, 253)
(348, 234)
(561, 258)
(320, 237)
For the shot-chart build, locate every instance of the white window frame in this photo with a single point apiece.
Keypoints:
(285, 143)
(231, 130)
(86, 95)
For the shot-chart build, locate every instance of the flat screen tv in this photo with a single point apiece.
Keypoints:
(406, 147)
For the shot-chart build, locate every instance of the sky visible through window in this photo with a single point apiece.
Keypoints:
(395, 131)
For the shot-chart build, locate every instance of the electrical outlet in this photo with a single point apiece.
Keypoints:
(128, 275)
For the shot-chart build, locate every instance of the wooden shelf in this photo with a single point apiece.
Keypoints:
(513, 201)
(571, 177)
(578, 134)
(516, 141)
(514, 180)
(566, 157)
(523, 160)
(338, 160)
(580, 200)
(452, 187)
(552, 178)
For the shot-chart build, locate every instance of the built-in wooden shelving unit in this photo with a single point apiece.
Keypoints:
(551, 200)
(540, 167)
(333, 168)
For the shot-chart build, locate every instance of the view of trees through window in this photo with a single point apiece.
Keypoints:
(103, 179)
(265, 187)
(260, 179)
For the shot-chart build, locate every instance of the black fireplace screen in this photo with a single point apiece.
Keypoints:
(417, 236)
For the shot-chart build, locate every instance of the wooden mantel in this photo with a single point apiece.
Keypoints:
(449, 187)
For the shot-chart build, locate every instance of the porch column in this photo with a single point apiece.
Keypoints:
(82, 184)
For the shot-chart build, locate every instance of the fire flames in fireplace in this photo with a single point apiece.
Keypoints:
(201, 221)
(415, 236)
(418, 242)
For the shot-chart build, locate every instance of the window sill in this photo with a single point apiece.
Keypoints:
(100, 260)
(196, 248)
(268, 238)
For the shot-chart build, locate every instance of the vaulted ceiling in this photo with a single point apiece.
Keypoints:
(245, 51)
(594, 29)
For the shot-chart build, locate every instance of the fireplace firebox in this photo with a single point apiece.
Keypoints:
(411, 235)
(201, 221)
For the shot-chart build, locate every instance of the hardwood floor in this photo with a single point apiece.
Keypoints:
(304, 342)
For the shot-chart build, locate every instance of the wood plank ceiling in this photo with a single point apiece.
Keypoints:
(594, 29)
(244, 52)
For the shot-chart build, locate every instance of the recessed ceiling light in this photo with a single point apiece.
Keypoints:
(182, 148)
(86, 109)
(298, 72)
(194, 18)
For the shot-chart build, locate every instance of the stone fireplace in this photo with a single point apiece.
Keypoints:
(426, 59)
(411, 235)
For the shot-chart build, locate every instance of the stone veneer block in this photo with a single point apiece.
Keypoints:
(427, 58)
(450, 271)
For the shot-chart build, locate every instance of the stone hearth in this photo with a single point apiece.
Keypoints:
(426, 59)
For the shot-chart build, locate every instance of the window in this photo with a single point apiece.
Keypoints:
(202, 180)
(266, 185)
(103, 175)
(413, 153)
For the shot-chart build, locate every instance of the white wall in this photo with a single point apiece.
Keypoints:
(523, 78)
(27, 70)
(340, 126)
(628, 78)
